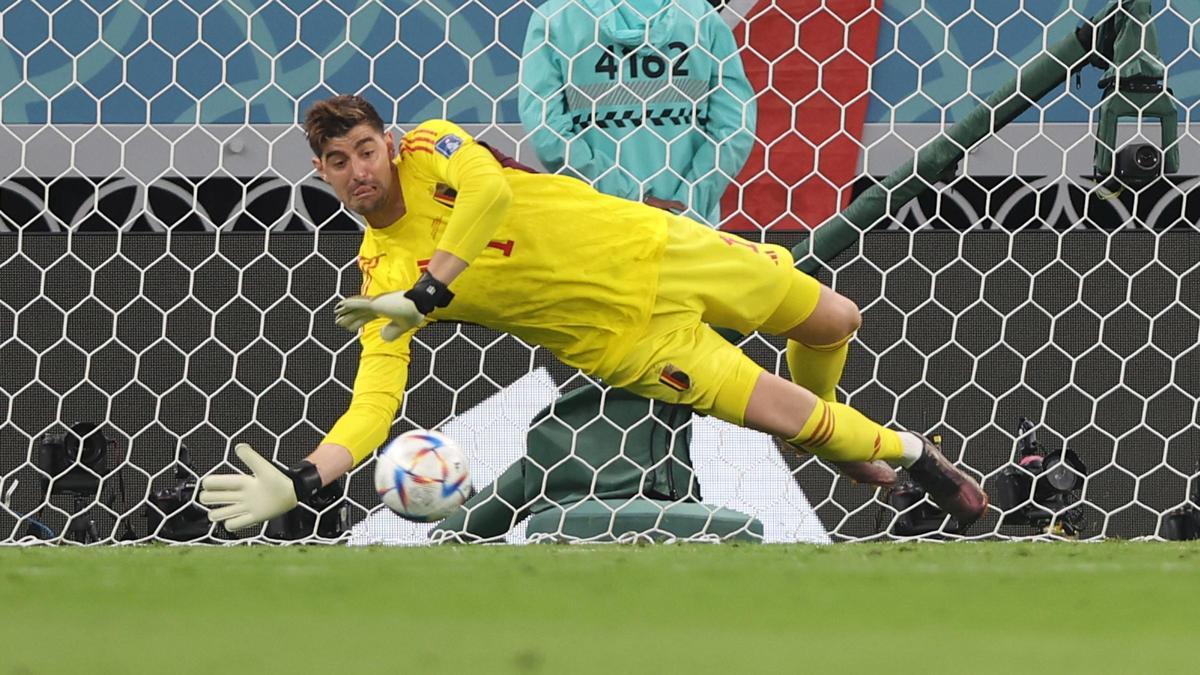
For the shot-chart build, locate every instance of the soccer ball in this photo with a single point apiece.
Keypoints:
(422, 476)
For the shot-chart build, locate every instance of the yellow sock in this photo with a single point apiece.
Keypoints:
(818, 368)
(839, 433)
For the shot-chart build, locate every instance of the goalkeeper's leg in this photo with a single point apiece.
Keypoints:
(690, 363)
(819, 324)
(748, 286)
(839, 433)
(818, 343)
(818, 346)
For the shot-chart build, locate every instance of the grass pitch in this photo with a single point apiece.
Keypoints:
(863, 608)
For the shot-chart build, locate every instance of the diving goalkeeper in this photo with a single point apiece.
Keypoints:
(623, 291)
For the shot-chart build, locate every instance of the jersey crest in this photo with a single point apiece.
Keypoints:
(449, 144)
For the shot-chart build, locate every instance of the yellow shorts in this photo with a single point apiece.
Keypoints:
(711, 278)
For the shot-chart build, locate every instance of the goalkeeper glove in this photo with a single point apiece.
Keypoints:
(249, 500)
(405, 311)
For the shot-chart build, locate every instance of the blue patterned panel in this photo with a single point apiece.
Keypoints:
(246, 61)
(938, 59)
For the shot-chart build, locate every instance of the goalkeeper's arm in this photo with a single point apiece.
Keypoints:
(442, 152)
(244, 501)
(481, 205)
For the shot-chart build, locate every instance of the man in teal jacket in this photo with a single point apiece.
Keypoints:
(645, 99)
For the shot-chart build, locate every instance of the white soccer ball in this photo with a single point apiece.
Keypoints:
(422, 476)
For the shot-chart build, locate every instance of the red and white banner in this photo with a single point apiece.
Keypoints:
(810, 62)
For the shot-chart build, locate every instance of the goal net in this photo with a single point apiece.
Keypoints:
(169, 262)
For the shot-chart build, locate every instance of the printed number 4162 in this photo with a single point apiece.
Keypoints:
(648, 65)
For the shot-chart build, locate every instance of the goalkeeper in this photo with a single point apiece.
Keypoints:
(618, 289)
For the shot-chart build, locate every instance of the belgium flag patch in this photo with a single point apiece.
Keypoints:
(675, 378)
(445, 195)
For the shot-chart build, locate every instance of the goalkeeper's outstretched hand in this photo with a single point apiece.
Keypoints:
(248, 500)
(357, 311)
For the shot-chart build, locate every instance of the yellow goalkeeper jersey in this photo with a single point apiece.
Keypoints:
(563, 266)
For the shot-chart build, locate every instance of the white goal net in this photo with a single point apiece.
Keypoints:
(169, 262)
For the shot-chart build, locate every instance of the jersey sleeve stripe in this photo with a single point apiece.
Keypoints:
(417, 147)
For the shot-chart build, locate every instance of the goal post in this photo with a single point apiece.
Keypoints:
(169, 262)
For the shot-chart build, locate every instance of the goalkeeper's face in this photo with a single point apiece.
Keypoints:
(358, 166)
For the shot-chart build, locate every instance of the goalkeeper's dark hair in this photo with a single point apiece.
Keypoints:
(336, 116)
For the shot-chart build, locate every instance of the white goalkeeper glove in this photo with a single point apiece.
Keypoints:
(249, 500)
(404, 310)
(357, 311)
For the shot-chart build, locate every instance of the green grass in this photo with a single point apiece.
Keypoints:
(869, 608)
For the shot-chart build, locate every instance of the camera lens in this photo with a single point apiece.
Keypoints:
(1063, 479)
(1147, 157)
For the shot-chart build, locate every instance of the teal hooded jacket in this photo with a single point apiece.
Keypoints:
(639, 98)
